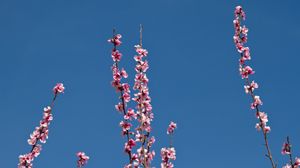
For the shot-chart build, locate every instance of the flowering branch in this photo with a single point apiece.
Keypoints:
(82, 159)
(124, 90)
(168, 154)
(240, 38)
(40, 133)
(144, 107)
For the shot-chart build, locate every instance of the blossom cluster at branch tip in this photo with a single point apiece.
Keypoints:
(82, 159)
(115, 40)
(171, 128)
(58, 88)
(250, 88)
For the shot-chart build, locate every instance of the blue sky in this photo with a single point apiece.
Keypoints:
(193, 76)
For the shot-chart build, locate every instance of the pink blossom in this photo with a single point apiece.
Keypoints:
(116, 55)
(262, 116)
(58, 88)
(246, 53)
(126, 97)
(130, 114)
(286, 149)
(267, 129)
(138, 136)
(239, 12)
(246, 71)
(119, 107)
(287, 166)
(36, 150)
(171, 127)
(167, 154)
(251, 87)
(141, 51)
(256, 102)
(129, 145)
(125, 87)
(82, 159)
(125, 126)
(239, 46)
(151, 141)
(116, 40)
(124, 73)
(297, 162)
(257, 126)
(244, 30)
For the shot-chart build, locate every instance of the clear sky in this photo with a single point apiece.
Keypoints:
(193, 74)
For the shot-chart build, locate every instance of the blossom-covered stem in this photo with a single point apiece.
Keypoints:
(51, 106)
(82, 159)
(145, 136)
(40, 133)
(171, 140)
(240, 38)
(168, 154)
(290, 152)
(121, 94)
(265, 134)
(144, 107)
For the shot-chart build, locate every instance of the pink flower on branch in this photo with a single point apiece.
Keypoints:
(82, 159)
(250, 88)
(40, 134)
(286, 149)
(116, 40)
(167, 154)
(58, 88)
(171, 127)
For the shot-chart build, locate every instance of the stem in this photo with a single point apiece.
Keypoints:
(290, 148)
(171, 140)
(141, 35)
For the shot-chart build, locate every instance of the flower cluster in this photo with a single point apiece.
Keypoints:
(286, 149)
(40, 134)
(240, 38)
(58, 88)
(171, 128)
(167, 154)
(263, 117)
(82, 159)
